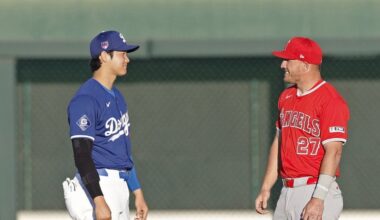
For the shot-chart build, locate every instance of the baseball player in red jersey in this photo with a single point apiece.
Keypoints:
(311, 132)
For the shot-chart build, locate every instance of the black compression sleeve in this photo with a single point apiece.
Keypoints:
(82, 148)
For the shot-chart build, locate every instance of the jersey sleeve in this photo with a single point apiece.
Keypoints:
(82, 117)
(278, 125)
(334, 121)
(279, 114)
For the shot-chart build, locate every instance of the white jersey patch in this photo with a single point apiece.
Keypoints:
(336, 129)
(83, 122)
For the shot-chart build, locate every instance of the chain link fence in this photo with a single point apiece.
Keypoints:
(201, 128)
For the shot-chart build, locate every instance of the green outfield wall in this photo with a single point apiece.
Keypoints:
(73, 20)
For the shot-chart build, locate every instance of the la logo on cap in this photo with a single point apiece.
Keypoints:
(122, 37)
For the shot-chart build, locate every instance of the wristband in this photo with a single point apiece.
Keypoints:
(323, 186)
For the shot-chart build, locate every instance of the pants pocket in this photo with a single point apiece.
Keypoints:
(335, 190)
(77, 203)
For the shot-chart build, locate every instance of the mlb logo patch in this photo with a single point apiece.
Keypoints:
(104, 44)
(336, 129)
(83, 122)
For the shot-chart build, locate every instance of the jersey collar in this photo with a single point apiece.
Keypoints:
(315, 87)
(110, 91)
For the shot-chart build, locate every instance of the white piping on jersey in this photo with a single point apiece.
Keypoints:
(334, 139)
(299, 93)
(82, 136)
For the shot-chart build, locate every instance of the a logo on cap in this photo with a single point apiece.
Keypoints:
(302, 56)
(104, 44)
(122, 37)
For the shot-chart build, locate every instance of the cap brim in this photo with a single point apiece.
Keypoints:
(132, 48)
(283, 54)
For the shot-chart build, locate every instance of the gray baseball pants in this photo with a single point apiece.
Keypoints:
(292, 201)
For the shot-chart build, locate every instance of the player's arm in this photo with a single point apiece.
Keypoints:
(270, 177)
(331, 159)
(82, 148)
(135, 187)
(329, 166)
(141, 206)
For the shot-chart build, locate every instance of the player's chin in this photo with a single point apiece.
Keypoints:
(288, 78)
(122, 72)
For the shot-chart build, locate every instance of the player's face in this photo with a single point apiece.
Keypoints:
(292, 69)
(120, 62)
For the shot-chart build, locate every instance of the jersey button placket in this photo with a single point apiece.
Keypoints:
(124, 136)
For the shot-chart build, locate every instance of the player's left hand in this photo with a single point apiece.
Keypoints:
(313, 210)
(141, 206)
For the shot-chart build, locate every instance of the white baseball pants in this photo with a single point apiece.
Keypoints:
(80, 205)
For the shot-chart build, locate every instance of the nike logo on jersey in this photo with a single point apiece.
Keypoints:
(108, 104)
(288, 96)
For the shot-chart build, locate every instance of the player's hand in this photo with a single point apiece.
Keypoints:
(262, 202)
(141, 206)
(102, 211)
(313, 209)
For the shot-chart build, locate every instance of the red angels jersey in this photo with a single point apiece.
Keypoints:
(306, 123)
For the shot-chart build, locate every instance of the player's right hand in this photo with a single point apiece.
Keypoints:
(102, 211)
(262, 202)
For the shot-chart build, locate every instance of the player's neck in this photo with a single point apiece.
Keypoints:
(308, 83)
(104, 78)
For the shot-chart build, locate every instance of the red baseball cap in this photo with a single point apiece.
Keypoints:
(303, 49)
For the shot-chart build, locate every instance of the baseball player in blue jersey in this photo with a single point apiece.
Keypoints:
(100, 135)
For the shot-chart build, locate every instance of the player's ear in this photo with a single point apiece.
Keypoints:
(104, 57)
(306, 66)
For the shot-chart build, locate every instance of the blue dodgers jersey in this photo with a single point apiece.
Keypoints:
(96, 114)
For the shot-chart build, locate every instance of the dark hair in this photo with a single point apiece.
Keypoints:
(95, 62)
